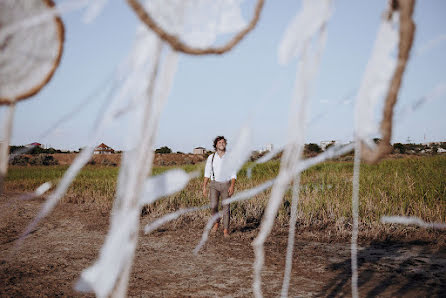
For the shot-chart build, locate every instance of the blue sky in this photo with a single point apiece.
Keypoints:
(215, 95)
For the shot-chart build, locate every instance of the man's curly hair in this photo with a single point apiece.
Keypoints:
(218, 139)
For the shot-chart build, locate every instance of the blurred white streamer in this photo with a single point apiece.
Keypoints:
(376, 80)
(149, 228)
(118, 249)
(331, 152)
(310, 22)
(306, 24)
(406, 112)
(207, 229)
(412, 220)
(111, 271)
(355, 215)
(4, 142)
(431, 44)
(291, 235)
(112, 256)
(165, 184)
(240, 152)
(267, 157)
(375, 83)
(94, 9)
(82, 158)
(41, 190)
(249, 193)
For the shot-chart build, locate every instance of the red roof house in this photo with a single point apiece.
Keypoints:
(103, 149)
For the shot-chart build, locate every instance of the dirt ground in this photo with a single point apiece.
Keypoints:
(49, 261)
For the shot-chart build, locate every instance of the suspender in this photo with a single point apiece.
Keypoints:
(212, 166)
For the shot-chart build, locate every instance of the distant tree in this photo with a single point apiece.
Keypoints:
(14, 149)
(179, 152)
(434, 149)
(399, 148)
(43, 160)
(19, 160)
(37, 150)
(51, 150)
(207, 153)
(312, 148)
(163, 150)
(377, 140)
(257, 154)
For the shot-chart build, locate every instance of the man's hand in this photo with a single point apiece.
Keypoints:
(205, 182)
(231, 187)
(231, 190)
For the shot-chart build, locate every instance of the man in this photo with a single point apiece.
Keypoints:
(222, 185)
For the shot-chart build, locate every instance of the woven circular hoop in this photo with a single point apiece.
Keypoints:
(29, 55)
(180, 46)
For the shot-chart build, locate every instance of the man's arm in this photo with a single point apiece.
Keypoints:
(207, 175)
(205, 182)
(231, 187)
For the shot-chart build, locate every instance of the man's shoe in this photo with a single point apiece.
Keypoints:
(214, 228)
(226, 233)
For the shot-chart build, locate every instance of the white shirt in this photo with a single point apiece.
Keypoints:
(218, 169)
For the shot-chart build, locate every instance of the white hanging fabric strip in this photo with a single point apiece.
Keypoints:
(307, 24)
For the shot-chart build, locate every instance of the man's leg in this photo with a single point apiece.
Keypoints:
(226, 208)
(214, 194)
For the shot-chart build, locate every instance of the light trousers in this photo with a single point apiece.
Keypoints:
(219, 190)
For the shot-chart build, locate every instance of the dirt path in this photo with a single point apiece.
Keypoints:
(50, 260)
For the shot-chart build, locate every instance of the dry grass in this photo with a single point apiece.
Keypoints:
(408, 186)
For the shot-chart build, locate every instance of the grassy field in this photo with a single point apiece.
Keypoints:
(407, 186)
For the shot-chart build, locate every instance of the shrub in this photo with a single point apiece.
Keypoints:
(256, 155)
(310, 148)
(107, 162)
(163, 150)
(399, 148)
(19, 160)
(43, 160)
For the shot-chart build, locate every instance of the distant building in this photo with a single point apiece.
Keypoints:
(325, 144)
(103, 149)
(267, 148)
(34, 145)
(434, 144)
(199, 150)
